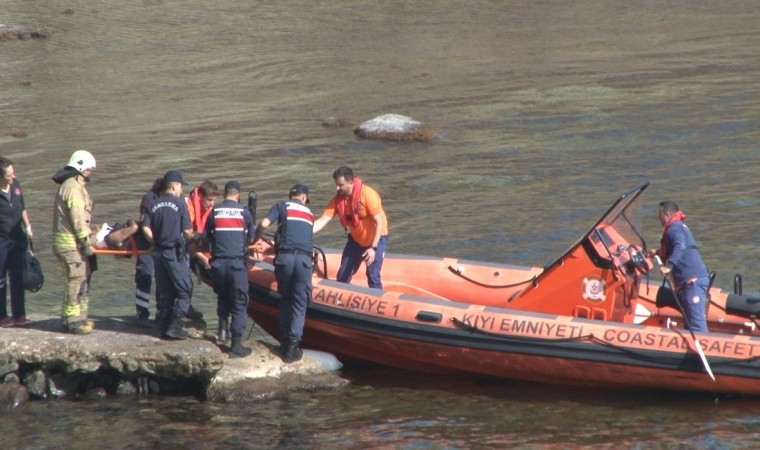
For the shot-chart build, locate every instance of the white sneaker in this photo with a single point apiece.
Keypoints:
(104, 230)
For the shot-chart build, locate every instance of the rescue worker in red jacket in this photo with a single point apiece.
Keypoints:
(200, 201)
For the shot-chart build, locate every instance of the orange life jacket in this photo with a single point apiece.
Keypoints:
(349, 217)
(199, 218)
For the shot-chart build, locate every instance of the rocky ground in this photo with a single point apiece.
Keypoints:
(121, 358)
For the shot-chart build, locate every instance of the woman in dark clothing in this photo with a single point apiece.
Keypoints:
(15, 229)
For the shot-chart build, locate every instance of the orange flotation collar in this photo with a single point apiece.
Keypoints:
(349, 217)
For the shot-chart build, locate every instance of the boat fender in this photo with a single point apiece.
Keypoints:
(328, 361)
(665, 298)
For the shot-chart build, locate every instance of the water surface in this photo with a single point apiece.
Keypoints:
(547, 112)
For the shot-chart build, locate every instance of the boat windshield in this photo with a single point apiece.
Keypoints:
(622, 221)
(625, 217)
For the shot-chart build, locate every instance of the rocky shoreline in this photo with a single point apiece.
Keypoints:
(39, 361)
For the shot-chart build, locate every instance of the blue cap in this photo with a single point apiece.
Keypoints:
(174, 176)
(300, 189)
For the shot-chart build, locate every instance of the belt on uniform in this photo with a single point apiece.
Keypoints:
(691, 280)
(295, 251)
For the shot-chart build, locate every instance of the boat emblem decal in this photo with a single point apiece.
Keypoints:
(593, 289)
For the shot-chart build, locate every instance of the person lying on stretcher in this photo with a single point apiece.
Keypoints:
(122, 236)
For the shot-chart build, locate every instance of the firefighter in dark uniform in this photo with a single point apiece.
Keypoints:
(229, 231)
(167, 225)
(292, 266)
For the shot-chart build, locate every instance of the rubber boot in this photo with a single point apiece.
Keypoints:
(79, 327)
(290, 351)
(223, 334)
(237, 350)
(175, 329)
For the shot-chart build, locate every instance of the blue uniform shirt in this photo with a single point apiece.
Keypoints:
(11, 207)
(167, 217)
(147, 199)
(295, 225)
(229, 230)
(682, 254)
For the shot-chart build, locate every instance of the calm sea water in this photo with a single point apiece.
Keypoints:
(547, 111)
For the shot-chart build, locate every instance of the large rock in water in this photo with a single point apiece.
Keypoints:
(395, 127)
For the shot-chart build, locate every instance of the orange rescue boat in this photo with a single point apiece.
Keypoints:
(588, 318)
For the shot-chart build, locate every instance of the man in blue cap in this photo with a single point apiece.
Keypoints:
(229, 231)
(292, 266)
(167, 225)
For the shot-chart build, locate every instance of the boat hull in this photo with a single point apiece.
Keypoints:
(587, 318)
(433, 335)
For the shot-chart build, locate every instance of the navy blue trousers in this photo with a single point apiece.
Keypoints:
(144, 272)
(693, 297)
(173, 282)
(11, 263)
(351, 259)
(293, 272)
(231, 286)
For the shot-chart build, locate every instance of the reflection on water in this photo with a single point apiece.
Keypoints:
(438, 412)
(547, 111)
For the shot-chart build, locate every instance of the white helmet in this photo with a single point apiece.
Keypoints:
(82, 160)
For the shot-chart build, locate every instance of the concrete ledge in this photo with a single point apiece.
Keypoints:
(121, 358)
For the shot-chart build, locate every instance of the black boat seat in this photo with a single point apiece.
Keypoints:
(743, 305)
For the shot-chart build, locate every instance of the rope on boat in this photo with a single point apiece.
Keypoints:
(493, 286)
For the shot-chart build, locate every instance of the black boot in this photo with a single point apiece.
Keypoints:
(194, 314)
(175, 329)
(289, 352)
(223, 334)
(237, 350)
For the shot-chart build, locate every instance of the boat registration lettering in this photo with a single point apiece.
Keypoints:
(362, 303)
(542, 329)
(645, 339)
(679, 343)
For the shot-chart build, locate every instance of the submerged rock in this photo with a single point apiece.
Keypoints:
(337, 122)
(9, 32)
(396, 127)
(12, 396)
